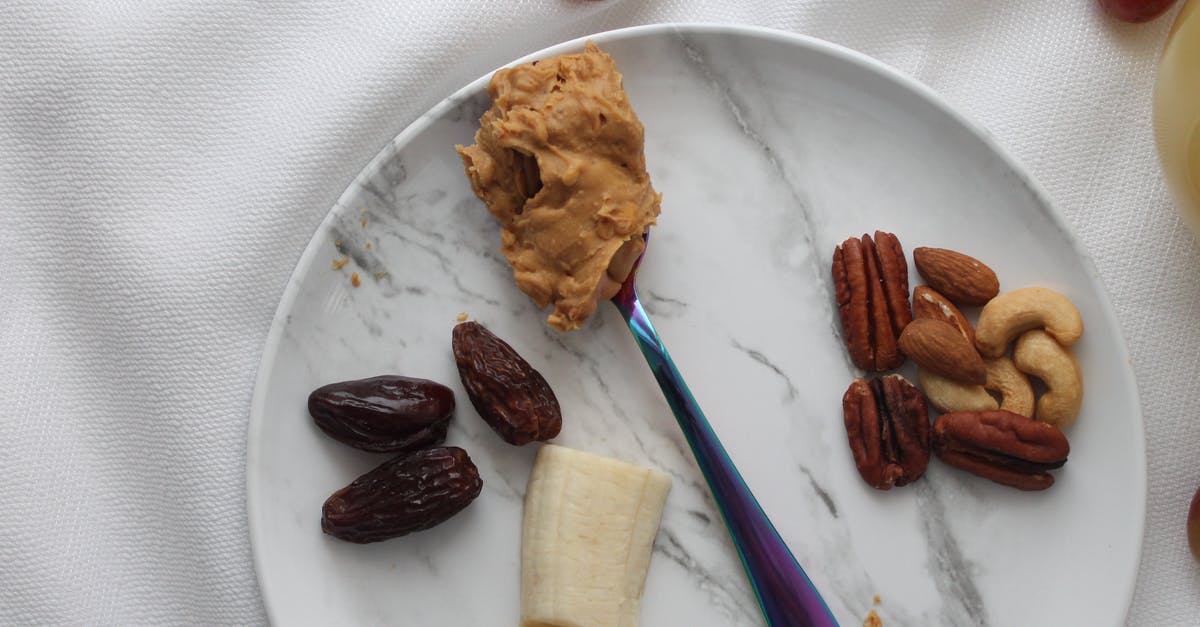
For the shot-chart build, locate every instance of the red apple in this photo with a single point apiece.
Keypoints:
(1193, 524)
(1136, 10)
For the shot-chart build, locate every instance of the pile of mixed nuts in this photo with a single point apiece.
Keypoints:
(980, 379)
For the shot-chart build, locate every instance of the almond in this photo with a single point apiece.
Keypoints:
(961, 278)
(940, 348)
(927, 303)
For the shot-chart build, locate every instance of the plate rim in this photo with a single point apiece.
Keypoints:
(887, 72)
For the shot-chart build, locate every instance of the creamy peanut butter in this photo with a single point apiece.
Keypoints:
(558, 160)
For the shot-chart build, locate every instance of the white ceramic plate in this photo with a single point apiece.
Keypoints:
(769, 149)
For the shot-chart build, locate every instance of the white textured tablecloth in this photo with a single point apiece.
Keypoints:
(163, 164)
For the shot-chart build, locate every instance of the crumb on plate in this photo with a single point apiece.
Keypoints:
(354, 279)
(872, 619)
(338, 264)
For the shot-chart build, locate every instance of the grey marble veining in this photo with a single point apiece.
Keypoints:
(961, 602)
(768, 156)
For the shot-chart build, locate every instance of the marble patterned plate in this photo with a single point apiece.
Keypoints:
(769, 149)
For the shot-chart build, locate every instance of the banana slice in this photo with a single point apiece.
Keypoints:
(589, 528)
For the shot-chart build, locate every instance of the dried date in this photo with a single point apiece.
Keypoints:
(386, 414)
(512, 397)
(409, 493)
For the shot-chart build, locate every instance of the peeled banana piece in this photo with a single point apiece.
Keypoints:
(589, 528)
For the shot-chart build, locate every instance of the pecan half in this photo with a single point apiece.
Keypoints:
(870, 277)
(1002, 446)
(888, 427)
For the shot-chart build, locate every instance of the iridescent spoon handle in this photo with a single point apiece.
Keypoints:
(784, 591)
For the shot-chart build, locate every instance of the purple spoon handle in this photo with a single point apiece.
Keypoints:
(785, 593)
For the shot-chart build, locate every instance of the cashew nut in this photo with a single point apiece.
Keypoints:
(1016, 394)
(1013, 313)
(1040, 355)
(948, 395)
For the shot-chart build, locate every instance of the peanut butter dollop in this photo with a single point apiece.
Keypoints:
(558, 160)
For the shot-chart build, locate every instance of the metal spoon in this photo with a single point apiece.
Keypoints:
(785, 593)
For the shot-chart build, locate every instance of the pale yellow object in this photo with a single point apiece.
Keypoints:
(1013, 313)
(1177, 112)
(948, 395)
(1016, 393)
(1039, 355)
(589, 529)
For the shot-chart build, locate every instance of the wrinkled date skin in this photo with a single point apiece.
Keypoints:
(412, 492)
(887, 423)
(1007, 448)
(512, 397)
(387, 414)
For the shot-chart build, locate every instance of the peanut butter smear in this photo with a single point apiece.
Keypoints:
(558, 160)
